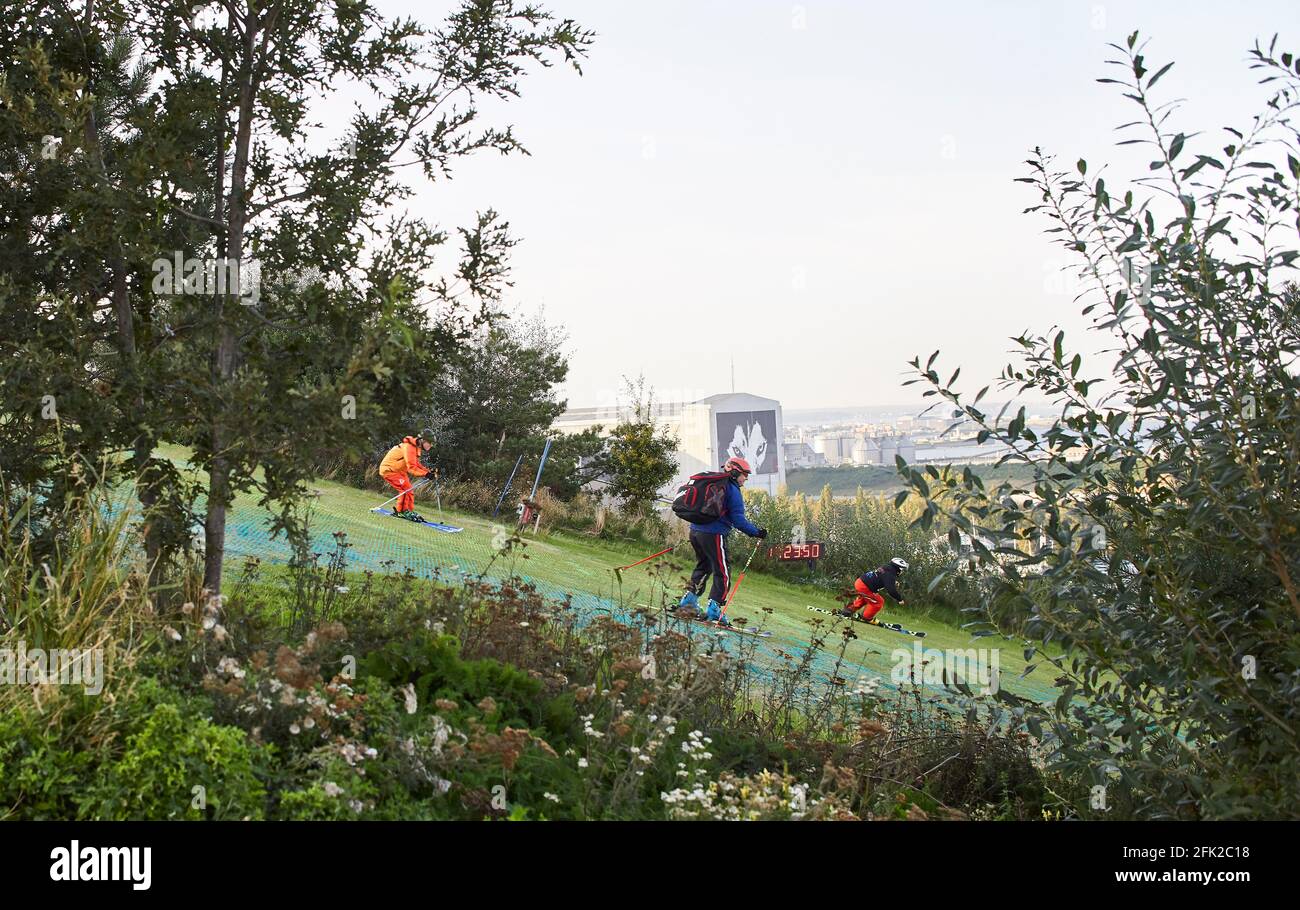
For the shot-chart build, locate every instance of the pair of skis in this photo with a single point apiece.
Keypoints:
(739, 630)
(893, 627)
(437, 526)
(424, 482)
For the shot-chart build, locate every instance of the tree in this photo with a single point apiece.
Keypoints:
(298, 308)
(1168, 492)
(495, 400)
(826, 519)
(91, 152)
(640, 456)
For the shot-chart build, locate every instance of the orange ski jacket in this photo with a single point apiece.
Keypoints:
(403, 458)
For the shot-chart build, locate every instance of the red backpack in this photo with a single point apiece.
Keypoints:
(703, 498)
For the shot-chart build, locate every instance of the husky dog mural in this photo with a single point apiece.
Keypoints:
(750, 435)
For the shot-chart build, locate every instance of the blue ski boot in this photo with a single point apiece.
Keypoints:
(690, 601)
(714, 612)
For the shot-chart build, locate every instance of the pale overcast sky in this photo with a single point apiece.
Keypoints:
(822, 190)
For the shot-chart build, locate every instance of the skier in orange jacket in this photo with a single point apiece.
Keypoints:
(401, 461)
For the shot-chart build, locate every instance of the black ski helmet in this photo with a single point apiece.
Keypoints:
(427, 435)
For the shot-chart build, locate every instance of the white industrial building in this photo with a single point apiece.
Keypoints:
(840, 448)
(801, 455)
(709, 431)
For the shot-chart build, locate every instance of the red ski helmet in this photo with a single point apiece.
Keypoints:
(737, 464)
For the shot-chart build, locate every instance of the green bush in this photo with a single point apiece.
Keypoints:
(433, 664)
(1158, 543)
(41, 777)
(172, 755)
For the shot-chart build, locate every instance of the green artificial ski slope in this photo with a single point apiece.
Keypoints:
(561, 564)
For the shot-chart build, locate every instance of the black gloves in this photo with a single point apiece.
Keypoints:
(762, 534)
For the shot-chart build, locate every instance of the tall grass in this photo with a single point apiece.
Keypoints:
(70, 592)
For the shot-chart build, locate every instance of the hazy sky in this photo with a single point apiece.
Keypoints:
(822, 190)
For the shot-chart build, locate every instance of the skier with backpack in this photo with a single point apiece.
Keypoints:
(712, 503)
(402, 461)
(869, 584)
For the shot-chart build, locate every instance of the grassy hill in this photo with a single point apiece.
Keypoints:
(581, 567)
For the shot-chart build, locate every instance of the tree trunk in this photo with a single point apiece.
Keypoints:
(225, 359)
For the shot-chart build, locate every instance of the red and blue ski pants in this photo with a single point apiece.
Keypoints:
(868, 601)
(710, 559)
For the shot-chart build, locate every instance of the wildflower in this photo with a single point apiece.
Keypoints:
(332, 789)
(582, 763)
(228, 666)
(552, 797)
(408, 694)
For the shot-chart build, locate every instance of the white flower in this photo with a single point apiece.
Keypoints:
(582, 763)
(228, 666)
(408, 692)
(552, 797)
(294, 729)
(332, 789)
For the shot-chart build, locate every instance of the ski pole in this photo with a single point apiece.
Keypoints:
(412, 490)
(647, 559)
(741, 576)
(437, 492)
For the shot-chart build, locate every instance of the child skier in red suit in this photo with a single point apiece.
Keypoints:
(869, 584)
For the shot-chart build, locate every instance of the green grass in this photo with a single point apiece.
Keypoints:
(573, 562)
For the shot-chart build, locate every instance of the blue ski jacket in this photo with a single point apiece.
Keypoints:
(733, 518)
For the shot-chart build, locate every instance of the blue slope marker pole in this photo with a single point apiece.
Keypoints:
(545, 452)
(502, 497)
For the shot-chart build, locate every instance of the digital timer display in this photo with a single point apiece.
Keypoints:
(796, 551)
